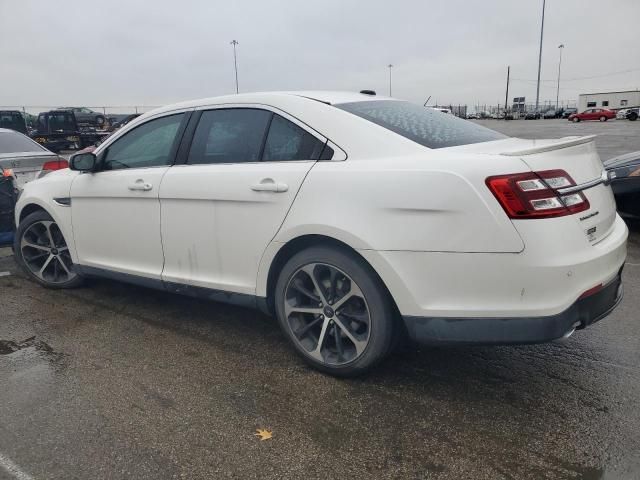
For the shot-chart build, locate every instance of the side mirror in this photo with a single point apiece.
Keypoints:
(83, 162)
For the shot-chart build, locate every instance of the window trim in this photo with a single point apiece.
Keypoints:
(177, 142)
(185, 146)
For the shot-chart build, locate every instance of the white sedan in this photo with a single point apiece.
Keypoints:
(355, 219)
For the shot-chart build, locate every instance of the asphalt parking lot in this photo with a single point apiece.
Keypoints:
(117, 381)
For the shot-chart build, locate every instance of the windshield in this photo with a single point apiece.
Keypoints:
(14, 143)
(425, 126)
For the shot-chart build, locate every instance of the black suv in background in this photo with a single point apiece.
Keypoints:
(569, 111)
(13, 120)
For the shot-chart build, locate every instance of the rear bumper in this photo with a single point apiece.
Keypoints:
(499, 331)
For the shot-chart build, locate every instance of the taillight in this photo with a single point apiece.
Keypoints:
(535, 195)
(55, 165)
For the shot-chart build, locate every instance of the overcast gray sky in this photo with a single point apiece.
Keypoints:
(119, 52)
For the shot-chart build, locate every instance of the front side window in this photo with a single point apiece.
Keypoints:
(426, 126)
(152, 144)
(287, 141)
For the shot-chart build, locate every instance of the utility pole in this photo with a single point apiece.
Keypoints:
(390, 67)
(540, 56)
(560, 47)
(235, 61)
(506, 95)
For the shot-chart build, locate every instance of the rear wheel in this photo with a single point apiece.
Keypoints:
(603, 118)
(99, 120)
(42, 252)
(334, 310)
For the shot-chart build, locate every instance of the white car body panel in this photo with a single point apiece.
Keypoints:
(215, 228)
(116, 228)
(423, 218)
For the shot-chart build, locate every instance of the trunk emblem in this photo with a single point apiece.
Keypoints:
(591, 215)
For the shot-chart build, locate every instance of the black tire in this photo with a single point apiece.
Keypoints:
(59, 260)
(603, 118)
(633, 116)
(99, 120)
(376, 301)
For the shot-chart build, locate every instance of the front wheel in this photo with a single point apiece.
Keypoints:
(575, 120)
(334, 310)
(603, 118)
(42, 252)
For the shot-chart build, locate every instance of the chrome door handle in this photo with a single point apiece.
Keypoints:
(268, 185)
(141, 185)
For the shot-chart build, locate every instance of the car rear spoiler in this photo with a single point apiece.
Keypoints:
(548, 147)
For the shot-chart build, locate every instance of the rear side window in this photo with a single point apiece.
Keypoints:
(240, 135)
(426, 126)
(229, 136)
(287, 141)
(15, 142)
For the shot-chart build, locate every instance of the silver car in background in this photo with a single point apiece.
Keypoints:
(26, 159)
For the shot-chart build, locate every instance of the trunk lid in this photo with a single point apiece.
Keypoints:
(26, 166)
(578, 157)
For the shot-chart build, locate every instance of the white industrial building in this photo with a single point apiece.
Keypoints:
(610, 100)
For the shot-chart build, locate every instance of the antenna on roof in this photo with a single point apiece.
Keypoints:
(368, 92)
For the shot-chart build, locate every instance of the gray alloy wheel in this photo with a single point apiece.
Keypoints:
(603, 118)
(327, 314)
(45, 254)
(576, 119)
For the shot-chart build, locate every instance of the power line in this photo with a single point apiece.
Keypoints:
(581, 78)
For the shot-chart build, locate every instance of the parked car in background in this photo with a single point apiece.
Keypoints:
(569, 111)
(622, 114)
(123, 121)
(86, 116)
(600, 114)
(471, 116)
(13, 120)
(25, 159)
(532, 116)
(550, 114)
(495, 222)
(626, 185)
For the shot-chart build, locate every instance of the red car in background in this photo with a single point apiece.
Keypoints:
(601, 114)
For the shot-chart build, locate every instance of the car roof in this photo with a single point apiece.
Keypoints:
(328, 97)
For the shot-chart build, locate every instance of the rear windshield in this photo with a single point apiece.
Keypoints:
(423, 125)
(15, 142)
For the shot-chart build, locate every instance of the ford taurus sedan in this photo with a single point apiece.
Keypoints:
(353, 218)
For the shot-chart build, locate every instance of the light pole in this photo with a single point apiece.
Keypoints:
(560, 47)
(390, 67)
(540, 56)
(235, 61)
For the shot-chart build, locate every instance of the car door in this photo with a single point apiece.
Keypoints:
(116, 210)
(223, 206)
